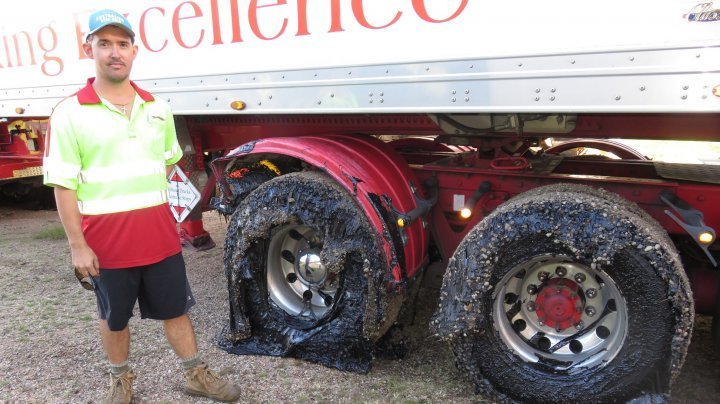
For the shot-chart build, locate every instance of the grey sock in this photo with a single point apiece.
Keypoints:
(120, 368)
(191, 362)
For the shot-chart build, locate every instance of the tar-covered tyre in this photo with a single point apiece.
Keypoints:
(300, 257)
(566, 296)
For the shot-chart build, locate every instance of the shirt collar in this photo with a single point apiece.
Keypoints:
(87, 94)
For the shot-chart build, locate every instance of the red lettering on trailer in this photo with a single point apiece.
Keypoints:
(21, 48)
(79, 36)
(18, 56)
(234, 14)
(253, 19)
(142, 30)
(47, 59)
(302, 18)
(215, 15)
(421, 10)
(335, 17)
(359, 11)
(197, 12)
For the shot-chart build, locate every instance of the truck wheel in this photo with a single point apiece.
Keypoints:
(561, 298)
(299, 256)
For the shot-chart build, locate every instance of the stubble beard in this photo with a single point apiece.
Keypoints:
(116, 77)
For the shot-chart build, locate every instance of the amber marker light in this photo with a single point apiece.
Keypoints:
(237, 105)
(466, 211)
(706, 238)
(716, 90)
(401, 222)
(19, 110)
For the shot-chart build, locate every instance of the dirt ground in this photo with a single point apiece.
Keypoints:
(50, 352)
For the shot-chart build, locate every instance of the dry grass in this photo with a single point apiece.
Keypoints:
(55, 232)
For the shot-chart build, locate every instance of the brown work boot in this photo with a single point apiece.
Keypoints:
(201, 381)
(120, 388)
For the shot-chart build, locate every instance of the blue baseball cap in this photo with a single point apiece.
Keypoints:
(103, 18)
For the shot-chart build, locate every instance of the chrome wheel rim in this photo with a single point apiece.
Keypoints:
(298, 281)
(561, 314)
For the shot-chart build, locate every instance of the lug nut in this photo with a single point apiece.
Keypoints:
(531, 306)
(327, 299)
(591, 293)
(307, 296)
(532, 289)
(590, 311)
(542, 276)
(579, 278)
(561, 271)
(291, 277)
(580, 325)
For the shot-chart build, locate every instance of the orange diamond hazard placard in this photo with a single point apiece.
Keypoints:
(182, 194)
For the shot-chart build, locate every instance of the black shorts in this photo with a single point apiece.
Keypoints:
(162, 290)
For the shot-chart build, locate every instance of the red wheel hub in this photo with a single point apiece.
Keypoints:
(558, 304)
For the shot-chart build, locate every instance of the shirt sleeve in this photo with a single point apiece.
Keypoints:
(173, 152)
(61, 162)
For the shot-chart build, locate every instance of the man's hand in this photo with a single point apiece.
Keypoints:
(85, 260)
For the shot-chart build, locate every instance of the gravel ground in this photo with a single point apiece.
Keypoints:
(50, 349)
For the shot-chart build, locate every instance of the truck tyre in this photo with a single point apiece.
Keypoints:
(566, 296)
(299, 257)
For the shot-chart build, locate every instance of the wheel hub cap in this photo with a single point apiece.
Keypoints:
(310, 268)
(561, 313)
(297, 280)
(558, 304)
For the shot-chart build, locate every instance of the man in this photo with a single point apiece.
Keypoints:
(109, 150)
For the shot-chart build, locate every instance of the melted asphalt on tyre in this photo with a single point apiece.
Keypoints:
(466, 302)
(343, 337)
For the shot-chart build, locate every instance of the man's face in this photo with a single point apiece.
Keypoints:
(113, 52)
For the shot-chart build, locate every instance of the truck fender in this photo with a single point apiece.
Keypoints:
(370, 170)
(383, 186)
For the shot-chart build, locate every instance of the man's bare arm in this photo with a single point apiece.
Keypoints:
(83, 257)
